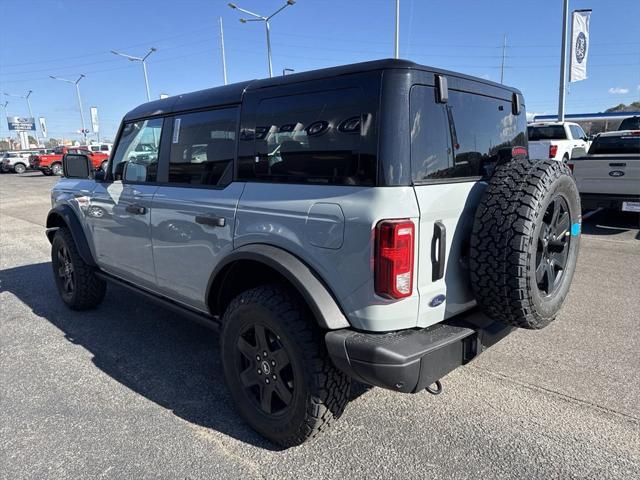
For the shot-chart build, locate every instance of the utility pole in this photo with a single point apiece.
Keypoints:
(260, 18)
(4, 118)
(224, 60)
(143, 60)
(396, 49)
(563, 61)
(504, 52)
(84, 129)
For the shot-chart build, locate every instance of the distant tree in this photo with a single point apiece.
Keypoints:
(32, 141)
(4, 145)
(51, 143)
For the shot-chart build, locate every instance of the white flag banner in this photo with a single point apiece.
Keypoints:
(95, 126)
(43, 126)
(579, 45)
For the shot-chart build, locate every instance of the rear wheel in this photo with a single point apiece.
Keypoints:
(56, 169)
(77, 283)
(19, 168)
(277, 368)
(103, 165)
(525, 242)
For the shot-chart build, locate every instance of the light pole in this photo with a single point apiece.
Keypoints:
(143, 60)
(563, 61)
(26, 97)
(260, 18)
(84, 130)
(4, 118)
(396, 43)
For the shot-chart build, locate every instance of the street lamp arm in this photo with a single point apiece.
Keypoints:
(279, 10)
(245, 20)
(235, 7)
(129, 57)
(61, 79)
(151, 50)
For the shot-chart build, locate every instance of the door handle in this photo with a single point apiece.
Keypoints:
(438, 250)
(136, 209)
(211, 221)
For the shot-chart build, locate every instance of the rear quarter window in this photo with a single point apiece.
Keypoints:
(462, 139)
(311, 138)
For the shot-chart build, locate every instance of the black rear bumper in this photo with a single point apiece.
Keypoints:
(410, 360)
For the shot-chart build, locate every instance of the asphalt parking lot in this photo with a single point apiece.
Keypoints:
(132, 391)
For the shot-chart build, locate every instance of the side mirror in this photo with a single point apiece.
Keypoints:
(578, 152)
(76, 165)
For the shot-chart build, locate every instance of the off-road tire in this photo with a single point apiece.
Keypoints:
(19, 168)
(320, 391)
(89, 290)
(506, 240)
(47, 173)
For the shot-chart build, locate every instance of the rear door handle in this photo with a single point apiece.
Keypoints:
(438, 250)
(136, 209)
(211, 221)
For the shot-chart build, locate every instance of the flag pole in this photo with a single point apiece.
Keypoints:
(563, 61)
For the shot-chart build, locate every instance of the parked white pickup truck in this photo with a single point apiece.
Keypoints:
(555, 140)
(609, 175)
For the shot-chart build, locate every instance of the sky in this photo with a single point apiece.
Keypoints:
(39, 38)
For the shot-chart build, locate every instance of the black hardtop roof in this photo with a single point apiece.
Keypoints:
(232, 94)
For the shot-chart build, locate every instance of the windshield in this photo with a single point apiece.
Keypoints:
(616, 145)
(548, 132)
(58, 151)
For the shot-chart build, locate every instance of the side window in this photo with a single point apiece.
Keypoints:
(136, 158)
(312, 138)
(576, 132)
(203, 147)
(431, 156)
(483, 132)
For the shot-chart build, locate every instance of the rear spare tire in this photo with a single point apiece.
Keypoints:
(525, 241)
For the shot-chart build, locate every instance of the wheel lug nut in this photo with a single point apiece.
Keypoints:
(266, 380)
(264, 354)
(257, 357)
(275, 378)
(273, 362)
(259, 372)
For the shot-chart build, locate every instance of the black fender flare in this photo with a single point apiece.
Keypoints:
(321, 302)
(64, 216)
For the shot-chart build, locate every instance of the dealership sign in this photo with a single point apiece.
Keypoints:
(21, 124)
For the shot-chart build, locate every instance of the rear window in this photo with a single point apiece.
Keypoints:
(632, 123)
(311, 138)
(616, 145)
(549, 132)
(464, 138)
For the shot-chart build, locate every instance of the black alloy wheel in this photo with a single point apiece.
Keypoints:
(265, 369)
(553, 246)
(65, 270)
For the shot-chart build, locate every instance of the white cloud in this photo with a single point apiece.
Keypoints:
(618, 91)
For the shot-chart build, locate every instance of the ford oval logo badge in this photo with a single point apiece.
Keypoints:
(616, 173)
(437, 300)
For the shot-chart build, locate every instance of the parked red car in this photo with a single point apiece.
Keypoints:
(51, 164)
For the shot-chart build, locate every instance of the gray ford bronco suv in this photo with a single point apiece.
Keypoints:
(380, 222)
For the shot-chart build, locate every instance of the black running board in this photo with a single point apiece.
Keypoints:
(203, 319)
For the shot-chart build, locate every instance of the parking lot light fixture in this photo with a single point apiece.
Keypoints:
(76, 82)
(143, 60)
(261, 18)
(26, 97)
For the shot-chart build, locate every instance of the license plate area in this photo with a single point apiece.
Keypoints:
(631, 207)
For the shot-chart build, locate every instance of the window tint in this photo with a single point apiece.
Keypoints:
(616, 145)
(482, 131)
(431, 155)
(203, 147)
(312, 138)
(136, 158)
(548, 132)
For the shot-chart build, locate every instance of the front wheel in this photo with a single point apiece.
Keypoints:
(277, 368)
(19, 168)
(56, 169)
(103, 165)
(77, 283)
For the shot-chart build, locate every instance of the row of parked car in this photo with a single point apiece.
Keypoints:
(49, 160)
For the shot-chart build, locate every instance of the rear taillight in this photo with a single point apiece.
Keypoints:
(394, 258)
(553, 149)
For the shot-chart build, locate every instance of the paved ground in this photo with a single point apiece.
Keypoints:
(131, 391)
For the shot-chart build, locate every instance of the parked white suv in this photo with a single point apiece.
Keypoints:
(555, 140)
(16, 162)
